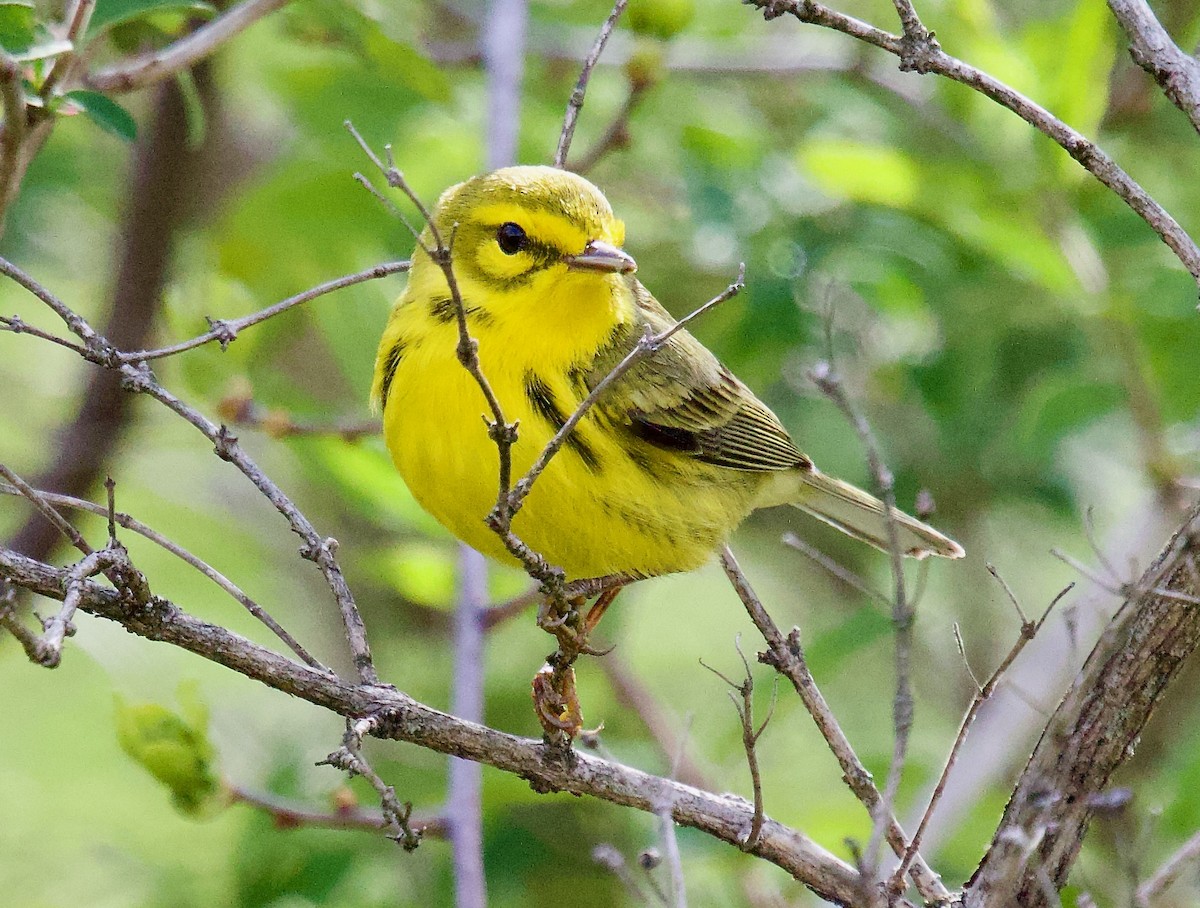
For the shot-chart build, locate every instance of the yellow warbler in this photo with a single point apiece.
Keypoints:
(665, 465)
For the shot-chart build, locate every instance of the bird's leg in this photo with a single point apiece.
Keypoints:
(554, 697)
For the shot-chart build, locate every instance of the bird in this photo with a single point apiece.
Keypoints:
(667, 462)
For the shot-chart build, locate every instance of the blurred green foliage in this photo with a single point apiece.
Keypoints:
(1023, 344)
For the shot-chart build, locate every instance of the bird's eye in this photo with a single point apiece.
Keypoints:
(511, 238)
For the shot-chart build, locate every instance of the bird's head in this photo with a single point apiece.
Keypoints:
(525, 234)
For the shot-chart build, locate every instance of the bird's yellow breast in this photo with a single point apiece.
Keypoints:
(607, 503)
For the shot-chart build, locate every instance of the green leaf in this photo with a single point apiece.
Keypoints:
(116, 12)
(16, 25)
(172, 747)
(106, 113)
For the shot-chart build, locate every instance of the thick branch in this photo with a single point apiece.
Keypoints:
(725, 817)
(1094, 730)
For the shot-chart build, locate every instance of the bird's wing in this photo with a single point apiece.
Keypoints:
(684, 399)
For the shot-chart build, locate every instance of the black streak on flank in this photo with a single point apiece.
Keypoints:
(541, 398)
(442, 311)
(390, 362)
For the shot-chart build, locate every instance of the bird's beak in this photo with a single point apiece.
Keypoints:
(598, 256)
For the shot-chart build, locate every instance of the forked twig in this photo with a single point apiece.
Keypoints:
(349, 759)
(1029, 630)
(750, 736)
(129, 523)
(786, 656)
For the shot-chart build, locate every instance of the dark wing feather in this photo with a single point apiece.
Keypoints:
(683, 399)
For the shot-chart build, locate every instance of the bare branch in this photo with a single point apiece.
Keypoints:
(129, 523)
(786, 656)
(288, 814)
(750, 736)
(157, 65)
(40, 501)
(401, 718)
(139, 379)
(1078, 146)
(16, 325)
(575, 104)
(1027, 632)
(349, 758)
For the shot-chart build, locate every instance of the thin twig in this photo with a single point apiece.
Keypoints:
(58, 628)
(750, 736)
(666, 827)
(17, 325)
(786, 656)
(225, 331)
(575, 104)
(617, 133)
(156, 65)
(41, 502)
(1078, 146)
(129, 523)
(610, 858)
(288, 814)
(78, 326)
(349, 758)
(827, 380)
(1028, 631)
(10, 622)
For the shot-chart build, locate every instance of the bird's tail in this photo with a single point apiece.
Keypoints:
(860, 515)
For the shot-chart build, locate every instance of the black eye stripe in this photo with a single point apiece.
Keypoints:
(511, 238)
